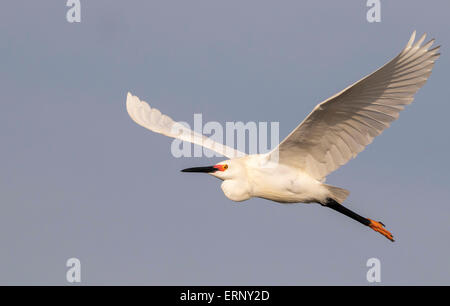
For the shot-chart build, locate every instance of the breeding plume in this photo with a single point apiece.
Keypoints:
(332, 134)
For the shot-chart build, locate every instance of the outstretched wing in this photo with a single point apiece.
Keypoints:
(152, 119)
(341, 126)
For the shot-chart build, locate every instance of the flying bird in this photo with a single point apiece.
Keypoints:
(333, 133)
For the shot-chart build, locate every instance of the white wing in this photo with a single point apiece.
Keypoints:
(341, 126)
(152, 119)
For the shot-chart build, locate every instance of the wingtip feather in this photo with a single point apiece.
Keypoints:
(411, 39)
(420, 41)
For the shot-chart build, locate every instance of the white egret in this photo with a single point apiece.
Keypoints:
(332, 134)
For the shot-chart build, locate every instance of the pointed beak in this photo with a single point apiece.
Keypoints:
(208, 169)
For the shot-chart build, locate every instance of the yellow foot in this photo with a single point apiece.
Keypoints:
(379, 227)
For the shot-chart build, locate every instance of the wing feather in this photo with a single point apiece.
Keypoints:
(343, 125)
(152, 119)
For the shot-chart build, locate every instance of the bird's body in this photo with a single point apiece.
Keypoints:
(272, 181)
(332, 134)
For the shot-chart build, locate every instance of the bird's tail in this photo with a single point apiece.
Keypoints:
(337, 194)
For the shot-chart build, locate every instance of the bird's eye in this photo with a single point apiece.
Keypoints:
(221, 167)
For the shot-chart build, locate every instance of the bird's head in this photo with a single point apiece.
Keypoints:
(233, 173)
(225, 170)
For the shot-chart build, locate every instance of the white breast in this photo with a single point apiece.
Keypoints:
(283, 184)
(236, 190)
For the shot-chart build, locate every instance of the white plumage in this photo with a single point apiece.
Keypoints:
(343, 125)
(333, 133)
(152, 119)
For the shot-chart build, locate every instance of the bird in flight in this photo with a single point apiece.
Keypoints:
(333, 133)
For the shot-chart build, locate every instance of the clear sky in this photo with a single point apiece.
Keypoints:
(80, 179)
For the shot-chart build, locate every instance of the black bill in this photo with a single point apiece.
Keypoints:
(208, 169)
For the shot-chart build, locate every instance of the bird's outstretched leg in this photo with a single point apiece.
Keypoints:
(376, 226)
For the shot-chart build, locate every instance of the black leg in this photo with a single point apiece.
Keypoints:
(376, 226)
(344, 210)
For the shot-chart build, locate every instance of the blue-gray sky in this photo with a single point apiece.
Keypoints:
(80, 179)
